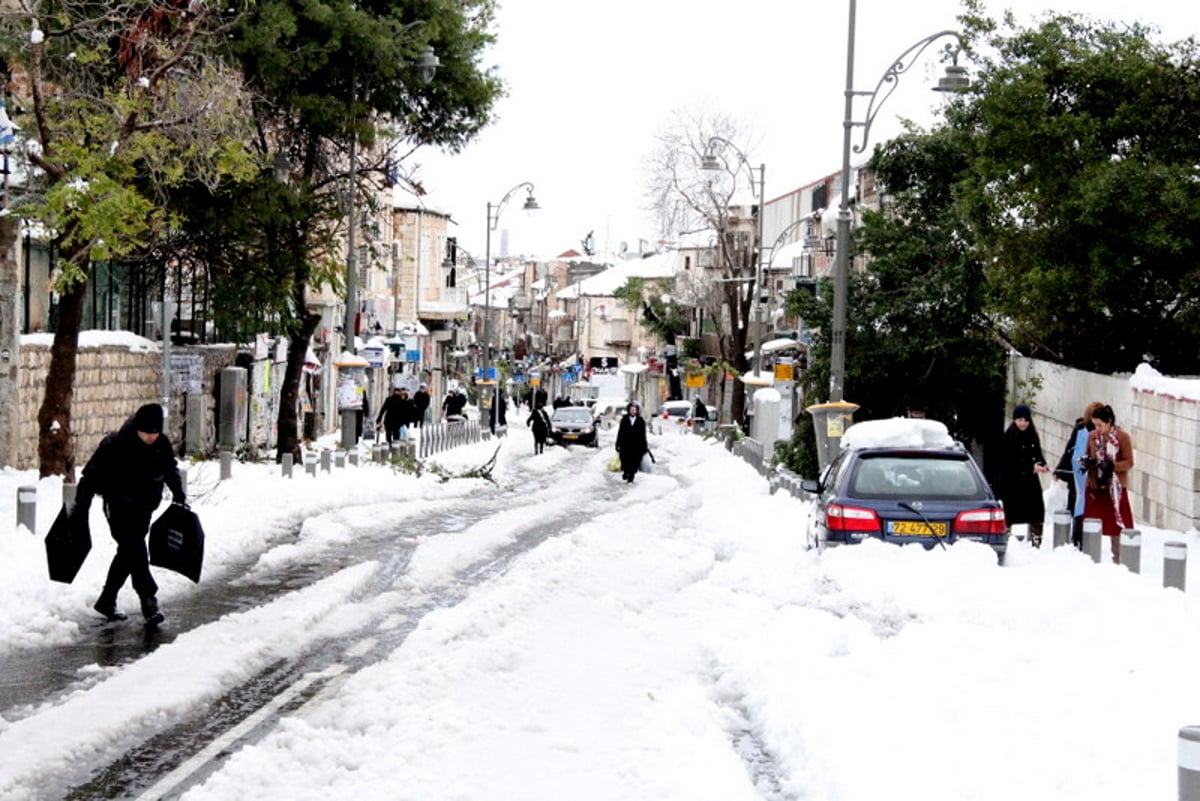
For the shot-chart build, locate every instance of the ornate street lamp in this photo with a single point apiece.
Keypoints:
(493, 220)
(955, 80)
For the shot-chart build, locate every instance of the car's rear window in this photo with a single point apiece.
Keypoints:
(676, 411)
(578, 415)
(915, 476)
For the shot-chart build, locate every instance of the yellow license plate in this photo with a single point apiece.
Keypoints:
(570, 436)
(914, 528)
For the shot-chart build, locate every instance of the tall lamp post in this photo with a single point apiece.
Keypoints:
(712, 163)
(493, 220)
(954, 80)
(426, 65)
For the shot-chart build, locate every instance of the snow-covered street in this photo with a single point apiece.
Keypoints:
(560, 634)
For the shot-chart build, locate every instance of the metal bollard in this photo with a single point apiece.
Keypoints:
(353, 458)
(27, 507)
(339, 458)
(1093, 537)
(1062, 527)
(286, 465)
(226, 465)
(1175, 565)
(1189, 763)
(326, 463)
(69, 491)
(1131, 549)
(183, 480)
(310, 462)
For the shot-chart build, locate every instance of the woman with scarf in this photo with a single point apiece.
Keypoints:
(1108, 462)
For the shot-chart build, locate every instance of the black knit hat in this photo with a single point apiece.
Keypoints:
(149, 419)
(1022, 412)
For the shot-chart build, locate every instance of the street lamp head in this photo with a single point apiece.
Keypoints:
(447, 263)
(710, 162)
(427, 64)
(955, 80)
(531, 203)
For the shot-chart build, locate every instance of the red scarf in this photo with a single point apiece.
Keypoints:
(1106, 447)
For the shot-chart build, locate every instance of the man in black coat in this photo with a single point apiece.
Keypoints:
(397, 412)
(631, 441)
(420, 404)
(128, 470)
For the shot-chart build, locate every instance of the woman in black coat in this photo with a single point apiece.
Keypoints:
(539, 421)
(1021, 488)
(631, 441)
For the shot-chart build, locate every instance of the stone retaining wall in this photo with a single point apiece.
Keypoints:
(111, 382)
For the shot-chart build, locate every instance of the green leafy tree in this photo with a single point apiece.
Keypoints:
(917, 325)
(1081, 191)
(115, 105)
(325, 75)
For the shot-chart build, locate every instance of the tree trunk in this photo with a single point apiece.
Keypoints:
(56, 445)
(288, 423)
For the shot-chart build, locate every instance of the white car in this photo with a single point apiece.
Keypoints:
(677, 415)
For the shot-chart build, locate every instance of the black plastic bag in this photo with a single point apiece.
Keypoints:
(177, 541)
(67, 545)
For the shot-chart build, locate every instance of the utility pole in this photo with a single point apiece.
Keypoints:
(10, 340)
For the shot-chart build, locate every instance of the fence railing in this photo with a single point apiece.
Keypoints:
(444, 436)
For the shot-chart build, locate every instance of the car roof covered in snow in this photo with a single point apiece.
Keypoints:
(897, 432)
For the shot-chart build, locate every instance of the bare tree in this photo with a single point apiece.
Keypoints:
(698, 207)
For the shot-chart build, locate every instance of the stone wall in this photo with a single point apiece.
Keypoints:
(1165, 427)
(111, 382)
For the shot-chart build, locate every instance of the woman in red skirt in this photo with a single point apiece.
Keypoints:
(1108, 461)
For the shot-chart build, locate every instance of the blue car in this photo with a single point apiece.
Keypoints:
(904, 481)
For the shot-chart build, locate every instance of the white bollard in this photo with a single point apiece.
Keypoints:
(27, 507)
(69, 491)
(1131, 549)
(1189, 763)
(1175, 565)
(310, 462)
(326, 464)
(1093, 537)
(339, 458)
(287, 465)
(226, 465)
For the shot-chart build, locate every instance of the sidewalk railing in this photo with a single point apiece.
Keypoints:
(444, 436)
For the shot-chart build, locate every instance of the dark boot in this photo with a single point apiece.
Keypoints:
(150, 611)
(107, 605)
(1035, 534)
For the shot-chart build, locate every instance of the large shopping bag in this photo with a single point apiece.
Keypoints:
(614, 464)
(67, 545)
(177, 541)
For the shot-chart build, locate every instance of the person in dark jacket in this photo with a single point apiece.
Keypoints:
(396, 414)
(455, 403)
(420, 401)
(1021, 487)
(539, 421)
(498, 415)
(128, 470)
(631, 441)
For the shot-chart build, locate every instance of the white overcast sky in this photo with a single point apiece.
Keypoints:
(589, 87)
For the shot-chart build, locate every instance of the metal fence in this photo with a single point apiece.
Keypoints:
(443, 437)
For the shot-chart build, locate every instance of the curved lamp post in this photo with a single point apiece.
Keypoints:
(954, 80)
(493, 220)
(712, 163)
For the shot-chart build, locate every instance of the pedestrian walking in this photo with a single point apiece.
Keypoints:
(454, 405)
(1070, 469)
(498, 414)
(420, 400)
(539, 421)
(1108, 461)
(631, 441)
(395, 415)
(129, 470)
(1020, 482)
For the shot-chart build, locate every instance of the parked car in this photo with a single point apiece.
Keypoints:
(608, 411)
(678, 414)
(574, 425)
(903, 481)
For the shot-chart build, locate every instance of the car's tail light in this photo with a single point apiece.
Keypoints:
(980, 521)
(689, 423)
(851, 518)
